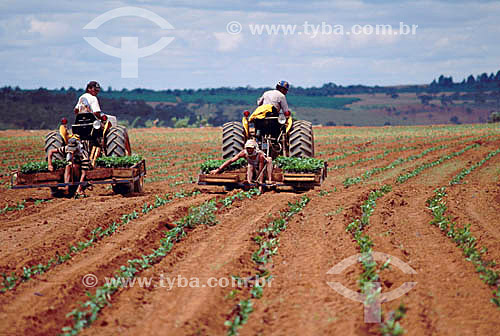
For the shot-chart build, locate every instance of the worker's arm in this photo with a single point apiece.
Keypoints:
(228, 162)
(284, 105)
(261, 167)
(260, 100)
(95, 107)
(76, 109)
(49, 159)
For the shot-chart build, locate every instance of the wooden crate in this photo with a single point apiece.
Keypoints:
(239, 176)
(39, 178)
(97, 174)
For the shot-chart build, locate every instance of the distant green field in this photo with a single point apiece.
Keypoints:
(321, 102)
(341, 117)
(327, 102)
(38, 109)
(243, 99)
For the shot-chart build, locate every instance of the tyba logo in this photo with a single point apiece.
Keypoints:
(129, 52)
(372, 298)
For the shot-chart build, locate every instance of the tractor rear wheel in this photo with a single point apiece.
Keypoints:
(301, 139)
(127, 188)
(117, 142)
(123, 188)
(233, 139)
(53, 140)
(139, 185)
(56, 193)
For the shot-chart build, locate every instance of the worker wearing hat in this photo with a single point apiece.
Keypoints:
(88, 102)
(256, 160)
(75, 156)
(276, 98)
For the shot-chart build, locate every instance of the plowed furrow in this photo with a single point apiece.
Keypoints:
(206, 252)
(62, 288)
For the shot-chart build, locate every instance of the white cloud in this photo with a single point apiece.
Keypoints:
(34, 37)
(328, 62)
(48, 29)
(228, 42)
(320, 42)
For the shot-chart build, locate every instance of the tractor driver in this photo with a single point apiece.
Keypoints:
(256, 160)
(75, 155)
(88, 101)
(277, 97)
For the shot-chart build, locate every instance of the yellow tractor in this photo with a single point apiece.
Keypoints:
(98, 136)
(277, 134)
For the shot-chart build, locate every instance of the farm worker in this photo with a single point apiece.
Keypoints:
(75, 155)
(88, 101)
(277, 98)
(256, 160)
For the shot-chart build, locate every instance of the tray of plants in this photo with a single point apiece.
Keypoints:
(125, 174)
(295, 172)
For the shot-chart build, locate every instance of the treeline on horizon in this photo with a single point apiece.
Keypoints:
(42, 108)
(442, 83)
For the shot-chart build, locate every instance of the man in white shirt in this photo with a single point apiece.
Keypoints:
(88, 101)
(277, 97)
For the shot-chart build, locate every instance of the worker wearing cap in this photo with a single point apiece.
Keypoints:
(277, 98)
(88, 101)
(75, 155)
(256, 160)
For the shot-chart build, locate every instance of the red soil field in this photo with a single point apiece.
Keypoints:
(450, 297)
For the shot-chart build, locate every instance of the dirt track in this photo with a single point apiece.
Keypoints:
(449, 298)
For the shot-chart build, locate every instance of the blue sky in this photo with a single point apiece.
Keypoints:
(43, 43)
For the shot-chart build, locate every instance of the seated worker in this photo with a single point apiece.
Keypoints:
(276, 98)
(76, 156)
(256, 160)
(88, 102)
